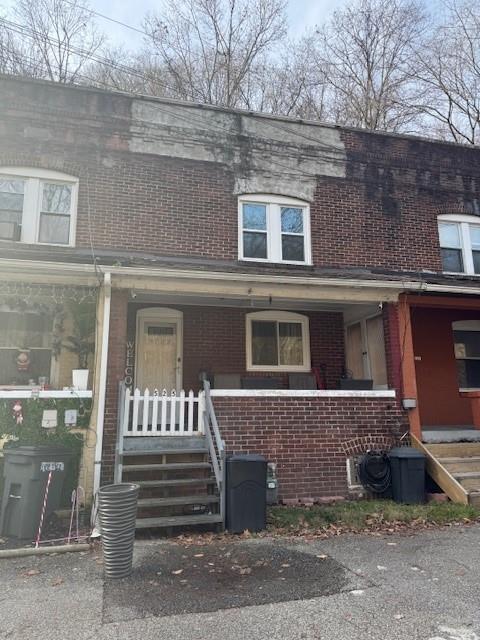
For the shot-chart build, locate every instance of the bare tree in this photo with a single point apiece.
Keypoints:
(450, 71)
(53, 39)
(290, 85)
(365, 51)
(207, 49)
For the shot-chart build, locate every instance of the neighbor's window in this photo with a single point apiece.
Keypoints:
(25, 347)
(37, 206)
(274, 229)
(466, 334)
(460, 243)
(277, 341)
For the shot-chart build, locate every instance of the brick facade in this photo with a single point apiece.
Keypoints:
(214, 341)
(309, 438)
(383, 214)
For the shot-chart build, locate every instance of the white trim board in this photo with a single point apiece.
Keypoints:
(15, 394)
(299, 393)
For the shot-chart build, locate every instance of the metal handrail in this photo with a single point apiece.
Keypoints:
(216, 445)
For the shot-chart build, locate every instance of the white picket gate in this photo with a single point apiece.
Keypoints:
(163, 413)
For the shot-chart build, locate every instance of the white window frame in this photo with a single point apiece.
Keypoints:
(465, 325)
(279, 316)
(32, 201)
(274, 227)
(464, 223)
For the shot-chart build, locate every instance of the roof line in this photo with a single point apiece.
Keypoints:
(236, 111)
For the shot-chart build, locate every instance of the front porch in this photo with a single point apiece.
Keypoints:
(441, 379)
(309, 384)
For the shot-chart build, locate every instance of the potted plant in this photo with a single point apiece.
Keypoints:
(82, 340)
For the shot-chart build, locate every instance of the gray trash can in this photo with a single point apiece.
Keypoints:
(25, 478)
(117, 511)
(246, 493)
(407, 465)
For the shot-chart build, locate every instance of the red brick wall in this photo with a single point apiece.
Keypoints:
(308, 437)
(214, 341)
(383, 215)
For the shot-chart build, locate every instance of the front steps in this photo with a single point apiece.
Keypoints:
(455, 467)
(177, 486)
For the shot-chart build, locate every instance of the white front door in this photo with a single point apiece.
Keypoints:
(159, 350)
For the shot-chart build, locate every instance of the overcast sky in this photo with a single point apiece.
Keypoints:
(301, 14)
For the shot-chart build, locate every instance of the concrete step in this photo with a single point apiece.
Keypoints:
(463, 475)
(474, 499)
(178, 521)
(178, 500)
(175, 466)
(163, 452)
(180, 482)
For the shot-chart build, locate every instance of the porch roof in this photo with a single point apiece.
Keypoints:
(234, 279)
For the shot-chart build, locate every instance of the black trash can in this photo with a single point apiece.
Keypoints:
(246, 493)
(26, 470)
(408, 475)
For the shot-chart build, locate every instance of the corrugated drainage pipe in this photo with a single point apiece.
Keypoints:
(117, 510)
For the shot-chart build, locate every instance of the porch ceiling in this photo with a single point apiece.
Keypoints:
(350, 309)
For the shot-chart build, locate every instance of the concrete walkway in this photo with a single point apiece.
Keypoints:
(349, 588)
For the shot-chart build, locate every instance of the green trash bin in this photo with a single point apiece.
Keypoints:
(25, 474)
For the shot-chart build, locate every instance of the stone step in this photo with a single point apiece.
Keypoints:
(178, 521)
(180, 482)
(163, 452)
(174, 466)
(178, 500)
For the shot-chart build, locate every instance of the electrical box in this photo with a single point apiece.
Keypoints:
(71, 417)
(49, 418)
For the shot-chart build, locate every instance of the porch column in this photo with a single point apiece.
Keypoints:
(392, 348)
(407, 360)
(116, 371)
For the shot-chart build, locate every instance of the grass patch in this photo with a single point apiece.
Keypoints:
(364, 515)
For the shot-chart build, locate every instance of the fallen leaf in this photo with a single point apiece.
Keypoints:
(57, 581)
(31, 572)
(177, 572)
(245, 571)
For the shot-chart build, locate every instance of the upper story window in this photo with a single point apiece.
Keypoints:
(37, 206)
(460, 243)
(274, 229)
(277, 341)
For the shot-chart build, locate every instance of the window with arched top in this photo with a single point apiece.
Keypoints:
(274, 229)
(466, 335)
(277, 341)
(460, 243)
(37, 206)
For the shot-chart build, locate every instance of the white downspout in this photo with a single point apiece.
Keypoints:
(102, 391)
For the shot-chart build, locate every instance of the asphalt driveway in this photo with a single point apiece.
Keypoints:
(351, 587)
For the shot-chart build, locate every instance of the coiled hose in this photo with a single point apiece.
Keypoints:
(374, 471)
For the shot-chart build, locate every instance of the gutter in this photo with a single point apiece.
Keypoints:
(60, 268)
(102, 392)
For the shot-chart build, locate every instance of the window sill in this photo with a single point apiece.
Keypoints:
(264, 261)
(16, 393)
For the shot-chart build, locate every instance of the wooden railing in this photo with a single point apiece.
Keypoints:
(216, 445)
(162, 413)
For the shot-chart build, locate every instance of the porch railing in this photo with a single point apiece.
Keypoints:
(216, 445)
(162, 413)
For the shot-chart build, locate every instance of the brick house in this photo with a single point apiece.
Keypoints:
(319, 282)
